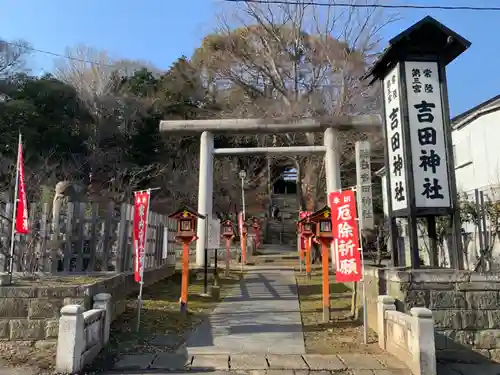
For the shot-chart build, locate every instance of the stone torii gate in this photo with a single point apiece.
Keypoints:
(329, 125)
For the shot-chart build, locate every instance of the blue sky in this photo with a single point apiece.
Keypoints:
(159, 31)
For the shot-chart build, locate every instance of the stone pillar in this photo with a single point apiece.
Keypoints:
(103, 301)
(424, 336)
(205, 192)
(384, 303)
(70, 341)
(332, 169)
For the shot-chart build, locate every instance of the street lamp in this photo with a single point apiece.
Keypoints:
(243, 175)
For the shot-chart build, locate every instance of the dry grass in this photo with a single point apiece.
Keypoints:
(27, 358)
(49, 281)
(342, 333)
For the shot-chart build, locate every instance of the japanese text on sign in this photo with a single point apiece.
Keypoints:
(394, 136)
(364, 183)
(430, 166)
(345, 236)
(141, 211)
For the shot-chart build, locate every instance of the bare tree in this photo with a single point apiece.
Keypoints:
(292, 61)
(97, 77)
(12, 56)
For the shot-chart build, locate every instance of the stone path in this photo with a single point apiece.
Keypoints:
(257, 330)
(262, 315)
(347, 364)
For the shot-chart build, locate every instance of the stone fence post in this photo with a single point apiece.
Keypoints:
(103, 301)
(71, 340)
(384, 303)
(72, 346)
(424, 335)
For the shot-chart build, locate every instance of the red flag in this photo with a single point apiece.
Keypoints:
(345, 236)
(141, 210)
(22, 225)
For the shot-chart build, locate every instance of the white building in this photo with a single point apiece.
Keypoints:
(476, 148)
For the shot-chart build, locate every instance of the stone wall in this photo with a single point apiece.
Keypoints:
(465, 306)
(31, 313)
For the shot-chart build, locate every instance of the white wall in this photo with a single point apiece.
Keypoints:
(477, 154)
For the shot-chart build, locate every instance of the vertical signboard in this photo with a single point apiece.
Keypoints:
(396, 170)
(364, 185)
(213, 235)
(427, 135)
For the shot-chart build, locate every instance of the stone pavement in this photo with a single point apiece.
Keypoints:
(317, 364)
(262, 315)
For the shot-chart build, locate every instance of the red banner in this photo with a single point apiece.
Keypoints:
(141, 210)
(22, 225)
(345, 235)
(303, 214)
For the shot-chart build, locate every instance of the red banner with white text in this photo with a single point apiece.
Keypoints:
(22, 225)
(302, 215)
(345, 236)
(141, 210)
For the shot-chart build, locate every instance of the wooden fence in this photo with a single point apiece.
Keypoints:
(86, 237)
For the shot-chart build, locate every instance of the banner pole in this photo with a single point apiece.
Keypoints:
(142, 257)
(363, 284)
(301, 253)
(14, 214)
(205, 254)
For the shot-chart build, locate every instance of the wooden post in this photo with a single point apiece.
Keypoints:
(42, 244)
(79, 240)
(123, 236)
(301, 250)
(308, 257)
(243, 249)
(185, 277)
(93, 237)
(54, 240)
(228, 254)
(68, 248)
(325, 281)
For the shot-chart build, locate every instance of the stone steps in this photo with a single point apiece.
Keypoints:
(283, 231)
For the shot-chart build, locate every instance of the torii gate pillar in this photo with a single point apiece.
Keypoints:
(205, 192)
(332, 161)
(332, 169)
